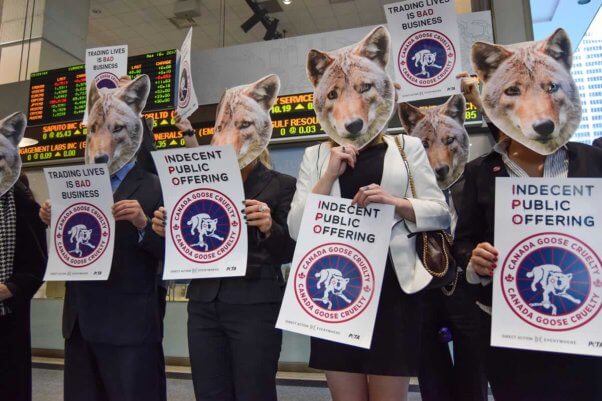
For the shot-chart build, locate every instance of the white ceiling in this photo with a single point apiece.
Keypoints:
(144, 25)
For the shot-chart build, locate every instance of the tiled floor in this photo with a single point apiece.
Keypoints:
(48, 386)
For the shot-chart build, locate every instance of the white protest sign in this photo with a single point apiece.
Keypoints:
(425, 48)
(104, 67)
(337, 271)
(203, 193)
(187, 101)
(82, 228)
(547, 292)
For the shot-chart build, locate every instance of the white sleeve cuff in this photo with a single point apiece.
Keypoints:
(473, 278)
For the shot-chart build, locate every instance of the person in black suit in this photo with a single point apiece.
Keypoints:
(112, 328)
(233, 343)
(29, 263)
(519, 375)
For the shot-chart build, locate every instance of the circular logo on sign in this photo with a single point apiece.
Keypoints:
(553, 281)
(426, 58)
(205, 225)
(81, 235)
(184, 90)
(106, 80)
(334, 283)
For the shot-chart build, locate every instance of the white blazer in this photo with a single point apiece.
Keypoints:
(430, 207)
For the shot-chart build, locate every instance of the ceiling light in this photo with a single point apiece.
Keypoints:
(286, 2)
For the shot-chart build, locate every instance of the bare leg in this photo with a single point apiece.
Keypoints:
(347, 386)
(388, 388)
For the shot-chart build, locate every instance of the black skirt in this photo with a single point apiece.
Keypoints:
(395, 349)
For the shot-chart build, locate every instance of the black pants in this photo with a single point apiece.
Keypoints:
(234, 351)
(104, 372)
(521, 375)
(440, 378)
(15, 356)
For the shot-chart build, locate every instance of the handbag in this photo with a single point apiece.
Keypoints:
(433, 248)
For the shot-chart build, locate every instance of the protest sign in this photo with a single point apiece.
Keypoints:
(426, 44)
(82, 228)
(104, 67)
(337, 270)
(205, 234)
(547, 292)
(187, 101)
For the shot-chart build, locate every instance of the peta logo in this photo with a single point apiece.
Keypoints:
(550, 281)
(81, 235)
(334, 283)
(205, 225)
(426, 58)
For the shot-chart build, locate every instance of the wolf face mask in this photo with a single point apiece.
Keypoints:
(243, 118)
(441, 130)
(114, 123)
(12, 129)
(528, 90)
(354, 96)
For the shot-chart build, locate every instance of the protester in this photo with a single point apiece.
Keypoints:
(233, 343)
(520, 375)
(374, 173)
(22, 264)
(456, 372)
(113, 328)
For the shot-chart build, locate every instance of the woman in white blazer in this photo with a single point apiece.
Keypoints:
(377, 174)
(354, 100)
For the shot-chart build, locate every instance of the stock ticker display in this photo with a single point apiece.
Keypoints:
(57, 101)
(58, 96)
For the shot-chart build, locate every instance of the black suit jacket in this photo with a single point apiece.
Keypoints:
(263, 281)
(30, 252)
(476, 211)
(124, 309)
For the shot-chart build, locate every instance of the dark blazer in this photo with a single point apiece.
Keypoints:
(477, 210)
(30, 252)
(123, 310)
(263, 281)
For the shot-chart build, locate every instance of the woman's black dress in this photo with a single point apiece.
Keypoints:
(396, 339)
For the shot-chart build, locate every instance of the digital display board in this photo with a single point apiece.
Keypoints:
(59, 96)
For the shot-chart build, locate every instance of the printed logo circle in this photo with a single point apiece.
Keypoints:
(205, 225)
(184, 90)
(426, 58)
(106, 80)
(81, 235)
(553, 281)
(334, 283)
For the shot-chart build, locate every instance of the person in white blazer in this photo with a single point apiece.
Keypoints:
(428, 212)
(354, 101)
(383, 372)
